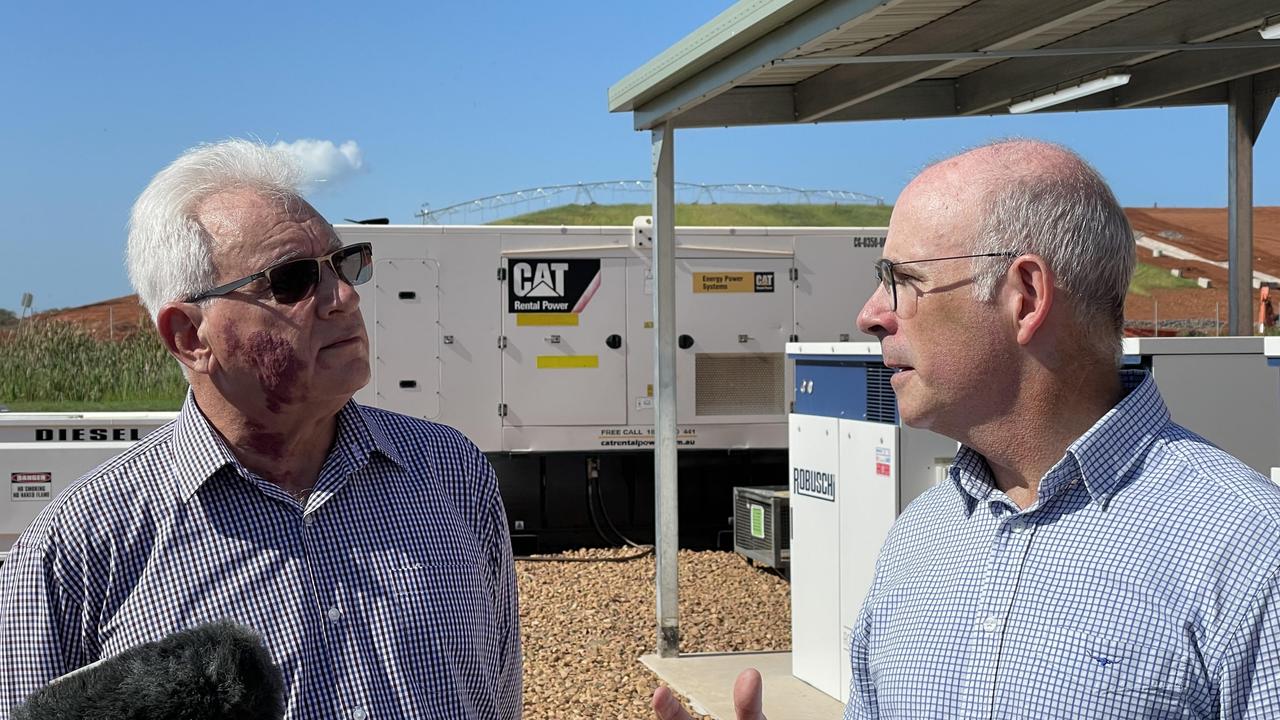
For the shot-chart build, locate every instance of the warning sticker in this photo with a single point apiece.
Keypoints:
(757, 521)
(31, 486)
(884, 461)
(732, 282)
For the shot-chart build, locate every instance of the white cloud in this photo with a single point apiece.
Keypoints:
(324, 163)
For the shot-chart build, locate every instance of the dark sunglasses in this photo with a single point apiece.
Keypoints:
(294, 280)
(887, 279)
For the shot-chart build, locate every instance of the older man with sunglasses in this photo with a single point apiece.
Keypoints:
(1087, 557)
(369, 549)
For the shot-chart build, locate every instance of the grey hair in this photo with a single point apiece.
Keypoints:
(170, 254)
(1046, 200)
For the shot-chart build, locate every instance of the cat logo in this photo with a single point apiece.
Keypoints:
(546, 285)
(538, 279)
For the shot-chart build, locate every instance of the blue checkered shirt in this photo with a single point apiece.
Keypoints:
(1144, 582)
(391, 595)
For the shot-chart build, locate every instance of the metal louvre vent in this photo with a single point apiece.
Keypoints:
(739, 383)
(772, 511)
(882, 406)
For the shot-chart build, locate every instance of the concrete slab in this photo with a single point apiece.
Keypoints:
(707, 680)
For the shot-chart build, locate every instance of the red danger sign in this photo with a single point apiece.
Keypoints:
(31, 477)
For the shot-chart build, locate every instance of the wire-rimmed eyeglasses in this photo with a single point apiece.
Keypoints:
(888, 280)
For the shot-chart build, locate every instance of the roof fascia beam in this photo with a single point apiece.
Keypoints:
(702, 87)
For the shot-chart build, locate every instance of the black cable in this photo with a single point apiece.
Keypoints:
(562, 558)
(595, 520)
(605, 513)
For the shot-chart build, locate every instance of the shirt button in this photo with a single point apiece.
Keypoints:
(334, 616)
(991, 624)
(308, 520)
(1018, 526)
(359, 714)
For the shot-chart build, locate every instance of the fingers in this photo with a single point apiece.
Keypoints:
(748, 696)
(667, 707)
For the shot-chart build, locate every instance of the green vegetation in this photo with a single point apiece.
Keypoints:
(53, 366)
(723, 215)
(1149, 277)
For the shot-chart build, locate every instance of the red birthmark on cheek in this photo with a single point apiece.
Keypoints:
(279, 368)
(232, 341)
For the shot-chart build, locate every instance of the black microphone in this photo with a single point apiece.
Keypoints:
(217, 671)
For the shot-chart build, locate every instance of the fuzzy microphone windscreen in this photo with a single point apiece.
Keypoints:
(216, 671)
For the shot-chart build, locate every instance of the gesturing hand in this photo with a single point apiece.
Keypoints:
(747, 699)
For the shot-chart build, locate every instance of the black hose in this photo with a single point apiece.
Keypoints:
(562, 558)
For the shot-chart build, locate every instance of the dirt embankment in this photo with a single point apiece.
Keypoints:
(1203, 232)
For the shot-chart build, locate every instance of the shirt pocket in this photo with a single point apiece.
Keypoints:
(444, 614)
(1122, 669)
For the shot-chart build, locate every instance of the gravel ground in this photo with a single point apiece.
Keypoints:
(585, 625)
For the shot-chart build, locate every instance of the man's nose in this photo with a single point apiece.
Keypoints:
(876, 316)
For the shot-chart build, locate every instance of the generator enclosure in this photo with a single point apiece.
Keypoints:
(43, 453)
(538, 344)
(762, 525)
(854, 467)
(541, 339)
(1224, 388)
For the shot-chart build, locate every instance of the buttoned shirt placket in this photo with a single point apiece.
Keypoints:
(1012, 534)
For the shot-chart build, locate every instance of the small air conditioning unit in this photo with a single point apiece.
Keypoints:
(762, 525)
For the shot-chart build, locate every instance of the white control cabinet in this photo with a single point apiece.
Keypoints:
(853, 468)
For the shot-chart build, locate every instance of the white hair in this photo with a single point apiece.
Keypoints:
(1046, 200)
(170, 254)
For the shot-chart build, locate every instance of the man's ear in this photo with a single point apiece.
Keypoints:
(1030, 295)
(179, 327)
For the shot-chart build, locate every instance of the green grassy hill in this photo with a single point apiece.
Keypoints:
(720, 215)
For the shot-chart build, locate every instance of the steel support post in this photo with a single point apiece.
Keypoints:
(1240, 136)
(666, 504)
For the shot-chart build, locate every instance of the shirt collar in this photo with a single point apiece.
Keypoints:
(1101, 457)
(1109, 449)
(360, 435)
(200, 452)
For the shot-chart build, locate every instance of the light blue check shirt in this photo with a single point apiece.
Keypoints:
(392, 595)
(1143, 583)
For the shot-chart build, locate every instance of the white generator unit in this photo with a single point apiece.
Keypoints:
(538, 343)
(853, 467)
(42, 453)
(1224, 388)
(540, 339)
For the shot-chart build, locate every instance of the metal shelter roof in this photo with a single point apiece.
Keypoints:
(807, 61)
(800, 61)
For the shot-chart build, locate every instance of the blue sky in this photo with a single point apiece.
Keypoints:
(444, 102)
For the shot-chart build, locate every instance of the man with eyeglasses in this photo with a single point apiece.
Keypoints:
(369, 549)
(1087, 557)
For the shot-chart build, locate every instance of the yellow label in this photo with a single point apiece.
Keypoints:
(546, 319)
(561, 362)
(648, 324)
(724, 282)
(649, 391)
